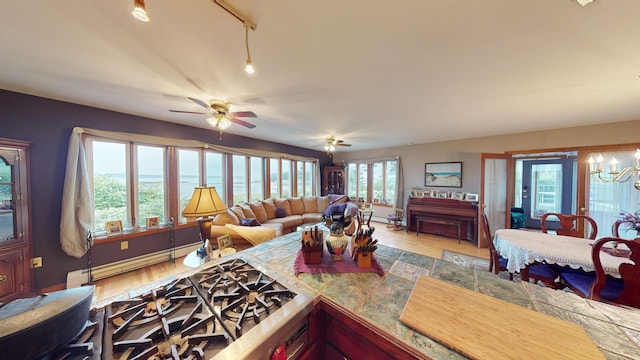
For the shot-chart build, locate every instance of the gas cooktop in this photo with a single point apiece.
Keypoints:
(230, 310)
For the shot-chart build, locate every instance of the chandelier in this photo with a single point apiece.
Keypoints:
(614, 175)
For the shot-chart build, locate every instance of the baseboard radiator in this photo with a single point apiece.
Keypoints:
(79, 277)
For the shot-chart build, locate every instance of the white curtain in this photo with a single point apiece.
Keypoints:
(77, 200)
(607, 200)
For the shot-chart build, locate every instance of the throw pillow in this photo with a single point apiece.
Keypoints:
(323, 203)
(280, 212)
(310, 204)
(283, 203)
(259, 211)
(297, 205)
(249, 222)
(237, 211)
(269, 208)
(246, 209)
(225, 218)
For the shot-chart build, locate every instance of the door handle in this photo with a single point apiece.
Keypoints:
(3, 278)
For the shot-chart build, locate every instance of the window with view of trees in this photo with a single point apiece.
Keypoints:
(372, 182)
(130, 180)
(110, 183)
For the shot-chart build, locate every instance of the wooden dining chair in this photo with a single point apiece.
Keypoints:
(496, 262)
(597, 285)
(568, 225)
(537, 271)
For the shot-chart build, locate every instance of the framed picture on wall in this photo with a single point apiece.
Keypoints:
(444, 174)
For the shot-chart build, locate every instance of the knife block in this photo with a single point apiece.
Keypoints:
(363, 259)
(312, 254)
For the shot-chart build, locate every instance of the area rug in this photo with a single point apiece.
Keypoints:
(469, 261)
(465, 260)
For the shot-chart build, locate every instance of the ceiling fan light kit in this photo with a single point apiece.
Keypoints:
(140, 11)
(219, 116)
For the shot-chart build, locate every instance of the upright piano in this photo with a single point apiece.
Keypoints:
(446, 213)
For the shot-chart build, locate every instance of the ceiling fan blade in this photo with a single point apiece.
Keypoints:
(342, 144)
(200, 102)
(243, 114)
(242, 122)
(188, 112)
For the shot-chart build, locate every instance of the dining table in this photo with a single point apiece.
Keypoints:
(523, 248)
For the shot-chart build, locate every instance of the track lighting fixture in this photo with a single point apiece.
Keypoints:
(249, 66)
(140, 11)
(248, 24)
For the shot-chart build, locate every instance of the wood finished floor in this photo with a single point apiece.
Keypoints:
(424, 244)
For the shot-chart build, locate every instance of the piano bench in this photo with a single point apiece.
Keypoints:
(456, 223)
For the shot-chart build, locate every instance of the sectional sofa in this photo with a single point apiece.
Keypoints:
(249, 224)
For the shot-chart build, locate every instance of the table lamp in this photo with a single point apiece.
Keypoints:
(204, 203)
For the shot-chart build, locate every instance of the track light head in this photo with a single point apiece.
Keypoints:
(140, 11)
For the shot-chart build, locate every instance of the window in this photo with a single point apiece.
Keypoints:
(378, 178)
(110, 183)
(256, 170)
(188, 177)
(309, 175)
(286, 178)
(274, 177)
(130, 181)
(215, 172)
(240, 183)
(151, 184)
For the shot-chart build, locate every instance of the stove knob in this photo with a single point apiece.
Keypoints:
(279, 353)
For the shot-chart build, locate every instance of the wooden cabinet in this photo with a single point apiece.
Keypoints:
(15, 237)
(333, 180)
(336, 333)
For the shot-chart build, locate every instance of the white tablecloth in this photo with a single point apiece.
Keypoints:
(522, 248)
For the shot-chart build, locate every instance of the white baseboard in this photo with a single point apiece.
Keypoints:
(78, 277)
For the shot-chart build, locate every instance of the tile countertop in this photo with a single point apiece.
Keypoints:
(381, 299)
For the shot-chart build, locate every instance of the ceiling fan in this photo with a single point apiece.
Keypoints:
(331, 142)
(220, 116)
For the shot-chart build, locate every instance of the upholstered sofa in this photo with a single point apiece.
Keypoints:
(249, 224)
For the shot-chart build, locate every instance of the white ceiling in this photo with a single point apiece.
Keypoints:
(373, 73)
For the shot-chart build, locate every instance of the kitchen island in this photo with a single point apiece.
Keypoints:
(368, 300)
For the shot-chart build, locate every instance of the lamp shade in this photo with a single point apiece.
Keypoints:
(204, 202)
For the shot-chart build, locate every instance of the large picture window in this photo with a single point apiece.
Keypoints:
(129, 181)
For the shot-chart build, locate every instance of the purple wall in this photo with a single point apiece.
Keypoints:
(47, 124)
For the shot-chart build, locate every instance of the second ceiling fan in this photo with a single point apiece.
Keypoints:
(331, 142)
(220, 116)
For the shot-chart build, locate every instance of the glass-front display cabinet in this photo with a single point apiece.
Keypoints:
(333, 180)
(15, 239)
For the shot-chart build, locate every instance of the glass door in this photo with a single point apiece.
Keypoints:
(8, 228)
(547, 186)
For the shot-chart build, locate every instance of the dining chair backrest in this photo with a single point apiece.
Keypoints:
(568, 225)
(494, 255)
(629, 272)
